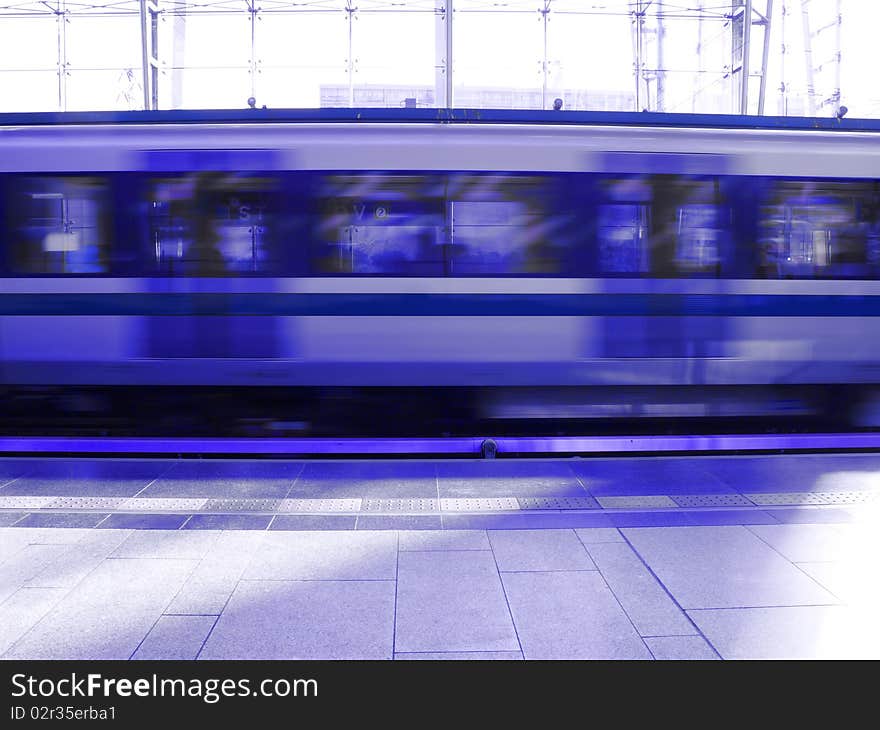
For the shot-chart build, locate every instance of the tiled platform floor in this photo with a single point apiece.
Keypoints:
(650, 581)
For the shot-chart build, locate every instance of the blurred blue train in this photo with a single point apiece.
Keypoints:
(563, 266)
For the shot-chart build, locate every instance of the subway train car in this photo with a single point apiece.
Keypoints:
(436, 272)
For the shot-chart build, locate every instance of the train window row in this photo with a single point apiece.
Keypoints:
(435, 224)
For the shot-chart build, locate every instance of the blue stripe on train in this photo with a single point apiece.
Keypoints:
(517, 305)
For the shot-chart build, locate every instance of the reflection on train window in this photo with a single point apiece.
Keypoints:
(435, 225)
(700, 234)
(819, 228)
(503, 225)
(380, 224)
(211, 224)
(666, 225)
(690, 226)
(60, 225)
(623, 220)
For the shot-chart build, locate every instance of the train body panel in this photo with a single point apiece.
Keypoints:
(425, 254)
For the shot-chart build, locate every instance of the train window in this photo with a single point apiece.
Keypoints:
(820, 228)
(59, 225)
(690, 228)
(381, 224)
(436, 225)
(623, 219)
(211, 223)
(503, 225)
(662, 225)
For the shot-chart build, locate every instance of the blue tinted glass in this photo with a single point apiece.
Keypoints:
(506, 225)
(379, 224)
(622, 238)
(211, 224)
(60, 226)
(819, 228)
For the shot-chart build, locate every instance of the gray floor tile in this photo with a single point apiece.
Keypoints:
(313, 522)
(74, 564)
(501, 478)
(596, 535)
(305, 620)
(662, 475)
(709, 500)
(23, 609)
(230, 488)
(210, 585)
(352, 479)
(399, 522)
(460, 656)
(86, 477)
(797, 472)
(451, 601)
(11, 469)
(681, 647)
(107, 614)
(731, 517)
(649, 501)
(8, 518)
(444, 540)
(648, 606)
(570, 616)
(247, 469)
(723, 567)
(804, 543)
(176, 637)
(62, 519)
(812, 515)
(505, 521)
(41, 536)
(26, 564)
(143, 522)
(167, 544)
(558, 503)
(539, 550)
(226, 479)
(650, 519)
(791, 632)
(523, 521)
(325, 556)
(565, 520)
(227, 522)
(13, 540)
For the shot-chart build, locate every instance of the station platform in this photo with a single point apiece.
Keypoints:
(583, 558)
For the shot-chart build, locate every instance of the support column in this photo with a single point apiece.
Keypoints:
(443, 54)
(149, 12)
(746, 54)
(350, 10)
(545, 64)
(61, 20)
(765, 58)
(252, 60)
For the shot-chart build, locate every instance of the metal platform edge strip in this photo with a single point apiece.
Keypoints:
(435, 446)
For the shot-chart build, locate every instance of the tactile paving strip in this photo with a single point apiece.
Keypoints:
(320, 505)
(241, 505)
(80, 503)
(25, 502)
(557, 503)
(399, 505)
(642, 502)
(711, 500)
(478, 504)
(799, 498)
(162, 504)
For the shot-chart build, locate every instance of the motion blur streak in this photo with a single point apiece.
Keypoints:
(428, 279)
